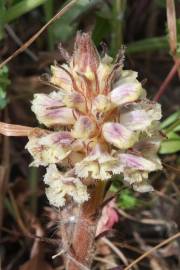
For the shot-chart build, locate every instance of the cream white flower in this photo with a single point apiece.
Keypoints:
(118, 135)
(61, 187)
(99, 164)
(50, 148)
(84, 128)
(50, 110)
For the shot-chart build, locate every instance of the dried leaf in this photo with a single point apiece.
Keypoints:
(14, 130)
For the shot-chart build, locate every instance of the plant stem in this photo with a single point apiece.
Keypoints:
(82, 243)
(33, 185)
(48, 10)
(117, 25)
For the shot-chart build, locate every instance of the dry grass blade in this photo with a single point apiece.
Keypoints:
(34, 37)
(152, 250)
(172, 31)
(14, 130)
(171, 21)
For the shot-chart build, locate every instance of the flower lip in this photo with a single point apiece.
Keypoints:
(126, 92)
(61, 186)
(64, 138)
(84, 128)
(118, 135)
(139, 163)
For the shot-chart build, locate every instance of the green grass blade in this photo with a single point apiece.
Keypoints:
(22, 8)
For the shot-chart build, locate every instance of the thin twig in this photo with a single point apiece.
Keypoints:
(166, 82)
(18, 215)
(35, 36)
(143, 220)
(152, 250)
(116, 250)
(105, 261)
(17, 40)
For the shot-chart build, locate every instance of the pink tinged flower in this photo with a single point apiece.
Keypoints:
(118, 135)
(126, 92)
(136, 120)
(86, 169)
(136, 162)
(149, 149)
(85, 57)
(63, 186)
(50, 110)
(50, 148)
(61, 78)
(100, 154)
(83, 128)
(141, 119)
(108, 219)
(98, 164)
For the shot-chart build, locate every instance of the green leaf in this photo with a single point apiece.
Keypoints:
(173, 135)
(148, 45)
(170, 120)
(21, 8)
(177, 128)
(127, 200)
(64, 28)
(161, 3)
(170, 146)
(4, 71)
(4, 82)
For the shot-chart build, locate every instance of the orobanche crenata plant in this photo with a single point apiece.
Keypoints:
(97, 123)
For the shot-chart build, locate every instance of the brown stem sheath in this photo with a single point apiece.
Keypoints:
(82, 245)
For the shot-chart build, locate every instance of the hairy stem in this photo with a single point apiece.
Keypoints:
(81, 249)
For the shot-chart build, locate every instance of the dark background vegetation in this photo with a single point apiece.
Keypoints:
(145, 220)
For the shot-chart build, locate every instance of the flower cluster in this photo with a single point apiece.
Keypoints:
(99, 122)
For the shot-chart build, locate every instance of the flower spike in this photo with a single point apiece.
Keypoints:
(99, 124)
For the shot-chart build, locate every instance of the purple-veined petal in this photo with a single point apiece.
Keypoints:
(83, 128)
(126, 92)
(136, 120)
(141, 118)
(136, 162)
(49, 110)
(50, 148)
(118, 135)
